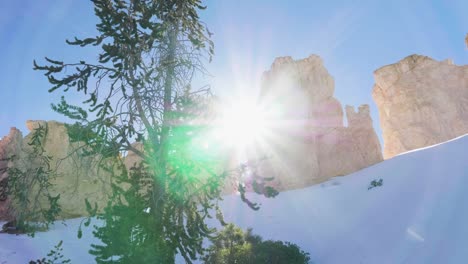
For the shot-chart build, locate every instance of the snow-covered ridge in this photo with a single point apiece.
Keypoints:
(418, 215)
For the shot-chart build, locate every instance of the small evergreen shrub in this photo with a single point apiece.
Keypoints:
(375, 183)
(233, 245)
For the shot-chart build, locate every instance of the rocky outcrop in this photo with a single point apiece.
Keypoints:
(309, 143)
(421, 102)
(9, 144)
(303, 90)
(75, 176)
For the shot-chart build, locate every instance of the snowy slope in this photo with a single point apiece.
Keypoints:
(21, 249)
(419, 215)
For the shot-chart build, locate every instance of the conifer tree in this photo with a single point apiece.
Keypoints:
(232, 245)
(139, 89)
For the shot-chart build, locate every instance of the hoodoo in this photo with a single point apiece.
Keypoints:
(421, 102)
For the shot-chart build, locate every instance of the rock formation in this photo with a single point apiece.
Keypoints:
(421, 102)
(8, 145)
(76, 177)
(309, 142)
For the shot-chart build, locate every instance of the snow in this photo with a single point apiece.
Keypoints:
(16, 249)
(418, 215)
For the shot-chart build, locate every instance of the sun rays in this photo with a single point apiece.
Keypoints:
(241, 123)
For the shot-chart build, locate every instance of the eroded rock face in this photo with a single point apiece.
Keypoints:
(9, 144)
(76, 177)
(310, 144)
(303, 90)
(421, 102)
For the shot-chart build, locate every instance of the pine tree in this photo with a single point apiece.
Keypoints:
(140, 89)
(232, 245)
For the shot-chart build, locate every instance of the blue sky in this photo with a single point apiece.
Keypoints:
(354, 38)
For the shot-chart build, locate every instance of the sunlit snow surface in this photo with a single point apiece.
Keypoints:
(418, 215)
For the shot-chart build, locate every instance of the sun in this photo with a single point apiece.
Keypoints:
(242, 123)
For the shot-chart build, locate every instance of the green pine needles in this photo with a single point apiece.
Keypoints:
(139, 90)
(233, 245)
(28, 187)
(55, 256)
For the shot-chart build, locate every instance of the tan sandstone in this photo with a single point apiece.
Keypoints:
(9, 144)
(76, 177)
(421, 102)
(309, 143)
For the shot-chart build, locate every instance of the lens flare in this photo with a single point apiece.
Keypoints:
(241, 123)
